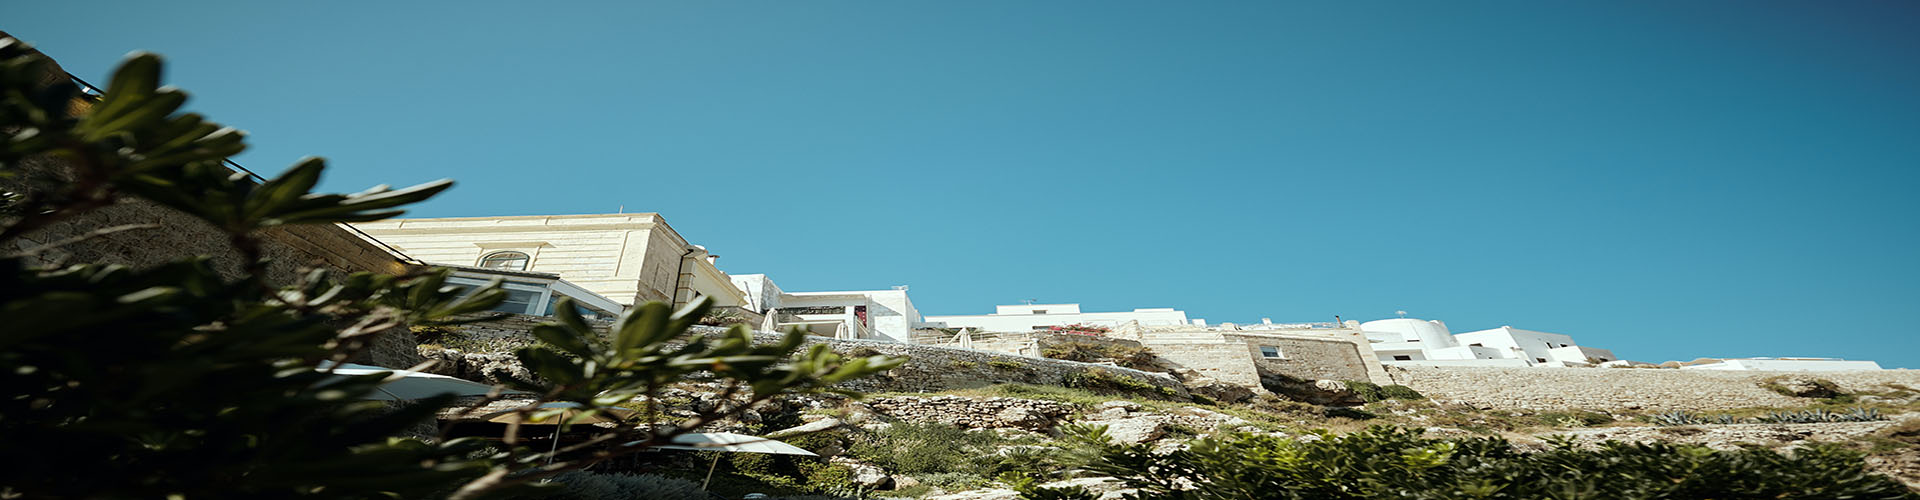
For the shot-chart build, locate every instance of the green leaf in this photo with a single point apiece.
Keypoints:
(556, 368)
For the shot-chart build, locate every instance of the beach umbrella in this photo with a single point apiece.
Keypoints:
(771, 324)
(840, 330)
(724, 441)
(401, 385)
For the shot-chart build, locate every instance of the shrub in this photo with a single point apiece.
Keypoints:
(961, 364)
(1081, 329)
(1006, 365)
(1386, 462)
(1574, 418)
(723, 317)
(1374, 393)
(1130, 356)
(922, 448)
(1098, 380)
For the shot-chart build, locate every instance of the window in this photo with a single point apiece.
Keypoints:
(511, 261)
(1542, 360)
(1403, 357)
(1039, 311)
(1270, 352)
(1476, 344)
(1563, 345)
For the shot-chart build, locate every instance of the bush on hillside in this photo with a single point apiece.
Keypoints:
(1130, 356)
(1386, 462)
(1374, 393)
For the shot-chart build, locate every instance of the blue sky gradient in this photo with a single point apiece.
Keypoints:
(1666, 179)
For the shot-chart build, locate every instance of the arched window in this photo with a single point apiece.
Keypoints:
(511, 261)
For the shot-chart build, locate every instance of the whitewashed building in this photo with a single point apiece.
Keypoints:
(1428, 342)
(1030, 317)
(865, 314)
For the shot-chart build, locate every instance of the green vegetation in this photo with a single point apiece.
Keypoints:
(1131, 356)
(1371, 393)
(1822, 389)
(184, 381)
(1006, 365)
(1098, 380)
(1384, 462)
(723, 317)
(1573, 418)
(1806, 416)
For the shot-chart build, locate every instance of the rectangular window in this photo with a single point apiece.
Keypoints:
(1039, 311)
(1270, 351)
(1403, 357)
(1477, 345)
(1542, 360)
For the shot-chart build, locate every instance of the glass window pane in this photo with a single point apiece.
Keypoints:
(515, 261)
(518, 301)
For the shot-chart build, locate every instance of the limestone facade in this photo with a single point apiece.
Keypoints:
(630, 258)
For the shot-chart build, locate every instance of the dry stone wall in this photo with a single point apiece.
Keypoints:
(928, 369)
(1623, 388)
(973, 413)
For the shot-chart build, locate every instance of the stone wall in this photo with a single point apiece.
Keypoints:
(1307, 358)
(177, 235)
(1225, 362)
(973, 413)
(929, 369)
(1623, 388)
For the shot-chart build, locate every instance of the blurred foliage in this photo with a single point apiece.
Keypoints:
(180, 381)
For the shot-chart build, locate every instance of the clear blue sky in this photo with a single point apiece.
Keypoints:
(1666, 179)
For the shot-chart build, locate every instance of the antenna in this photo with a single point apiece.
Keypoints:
(1402, 314)
(1029, 301)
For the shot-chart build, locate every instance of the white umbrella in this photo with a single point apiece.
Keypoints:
(840, 330)
(771, 324)
(403, 385)
(723, 441)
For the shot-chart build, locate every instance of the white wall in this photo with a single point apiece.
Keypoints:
(1432, 334)
(762, 294)
(1029, 321)
(1532, 346)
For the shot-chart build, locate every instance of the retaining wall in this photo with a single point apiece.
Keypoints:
(928, 369)
(1623, 388)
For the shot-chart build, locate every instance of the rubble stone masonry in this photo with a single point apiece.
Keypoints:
(929, 369)
(1624, 388)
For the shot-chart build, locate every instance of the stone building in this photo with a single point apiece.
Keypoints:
(1245, 356)
(629, 258)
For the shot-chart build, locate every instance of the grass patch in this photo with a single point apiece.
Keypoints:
(1102, 381)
